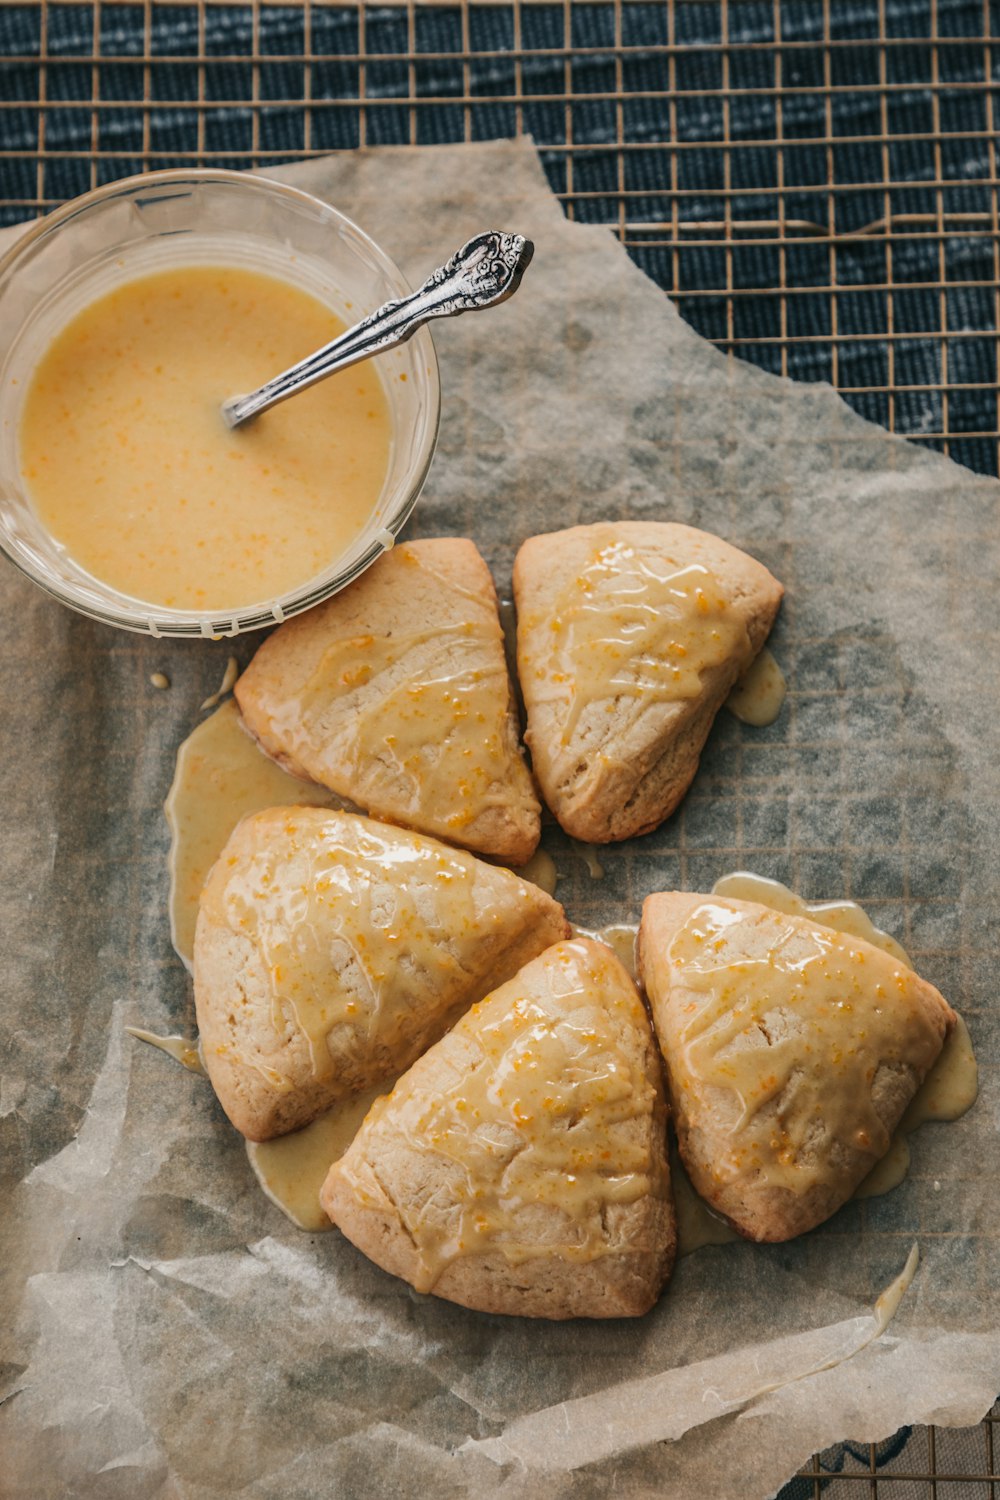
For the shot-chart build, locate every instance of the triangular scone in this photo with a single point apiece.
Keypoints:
(395, 693)
(331, 950)
(630, 636)
(791, 1050)
(520, 1165)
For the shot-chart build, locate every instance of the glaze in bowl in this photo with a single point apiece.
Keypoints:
(165, 220)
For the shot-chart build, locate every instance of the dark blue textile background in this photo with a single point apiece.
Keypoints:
(888, 108)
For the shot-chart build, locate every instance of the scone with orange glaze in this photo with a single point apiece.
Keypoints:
(395, 694)
(791, 1051)
(330, 951)
(520, 1165)
(630, 636)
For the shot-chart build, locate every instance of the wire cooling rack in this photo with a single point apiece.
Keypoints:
(919, 1463)
(813, 181)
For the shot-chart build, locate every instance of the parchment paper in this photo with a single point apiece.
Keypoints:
(169, 1332)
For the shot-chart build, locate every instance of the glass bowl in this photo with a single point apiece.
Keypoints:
(158, 222)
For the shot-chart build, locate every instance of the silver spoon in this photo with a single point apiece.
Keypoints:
(485, 271)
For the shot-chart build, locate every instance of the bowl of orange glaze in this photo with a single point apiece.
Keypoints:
(126, 318)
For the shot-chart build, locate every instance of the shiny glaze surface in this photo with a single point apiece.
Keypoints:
(180, 1048)
(445, 684)
(540, 870)
(780, 1012)
(842, 916)
(220, 776)
(351, 919)
(630, 626)
(620, 937)
(130, 466)
(525, 1105)
(588, 853)
(947, 1093)
(759, 696)
(697, 1225)
(292, 1168)
(951, 1086)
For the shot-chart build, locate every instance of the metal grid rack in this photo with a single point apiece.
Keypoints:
(918, 1464)
(814, 183)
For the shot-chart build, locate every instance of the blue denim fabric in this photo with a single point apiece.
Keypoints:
(963, 155)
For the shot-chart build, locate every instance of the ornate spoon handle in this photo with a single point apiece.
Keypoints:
(485, 271)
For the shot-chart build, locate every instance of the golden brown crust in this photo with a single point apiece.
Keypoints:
(544, 1199)
(394, 935)
(632, 758)
(754, 1134)
(395, 694)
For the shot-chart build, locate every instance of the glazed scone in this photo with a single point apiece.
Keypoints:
(630, 636)
(331, 950)
(520, 1165)
(791, 1051)
(395, 694)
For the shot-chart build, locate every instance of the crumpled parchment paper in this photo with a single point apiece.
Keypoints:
(167, 1332)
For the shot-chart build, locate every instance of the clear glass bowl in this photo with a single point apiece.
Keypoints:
(168, 219)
